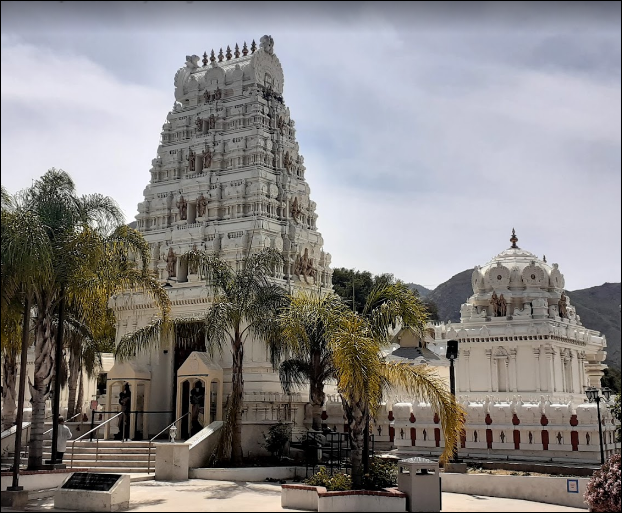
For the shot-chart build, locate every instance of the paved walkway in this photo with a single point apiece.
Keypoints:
(205, 495)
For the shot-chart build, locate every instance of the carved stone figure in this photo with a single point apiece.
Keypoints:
(182, 205)
(212, 121)
(191, 161)
(286, 161)
(502, 436)
(171, 263)
(218, 94)
(561, 304)
(207, 158)
(502, 306)
(560, 438)
(199, 124)
(197, 397)
(530, 437)
(304, 266)
(295, 209)
(267, 44)
(425, 435)
(201, 206)
(475, 436)
(281, 124)
(587, 438)
(494, 301)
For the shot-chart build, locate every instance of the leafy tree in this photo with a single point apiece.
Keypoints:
(611, 379)
(349, 282)
(616, 411)
(245, 302)
(363, 375)
(306, 324)
(65, 253)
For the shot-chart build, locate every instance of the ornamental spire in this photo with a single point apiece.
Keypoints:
(514, 240)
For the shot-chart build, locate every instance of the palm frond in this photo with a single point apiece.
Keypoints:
(294, 373)
(425, 385)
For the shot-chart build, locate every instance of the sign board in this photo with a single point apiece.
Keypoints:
(572, 485)
(94, 404)
(91, 481)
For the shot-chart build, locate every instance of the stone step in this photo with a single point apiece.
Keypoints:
(119, 465)
(93, 450)
(106, 457)
(109, 444)
(121, 470)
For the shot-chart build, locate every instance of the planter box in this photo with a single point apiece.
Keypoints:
(316, 498)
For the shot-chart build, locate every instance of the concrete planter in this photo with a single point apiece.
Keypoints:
(317, 498)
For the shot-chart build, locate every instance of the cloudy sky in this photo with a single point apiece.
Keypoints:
(429, 130)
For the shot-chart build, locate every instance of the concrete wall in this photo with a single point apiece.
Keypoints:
(552, 490)
(38, 480)
(246, 474)
(202, 444)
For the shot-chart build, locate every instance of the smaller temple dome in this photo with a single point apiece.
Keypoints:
(517, 269)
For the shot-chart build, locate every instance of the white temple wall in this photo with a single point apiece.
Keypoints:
(479, 372)
(526, 369)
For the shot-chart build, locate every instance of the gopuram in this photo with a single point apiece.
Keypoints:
(228, 178)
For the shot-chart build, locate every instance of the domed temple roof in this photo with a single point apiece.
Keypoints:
(517, 269)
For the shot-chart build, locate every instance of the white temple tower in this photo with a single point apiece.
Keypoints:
(228, 178)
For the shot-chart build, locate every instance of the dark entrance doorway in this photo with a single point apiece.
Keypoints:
(187, 340)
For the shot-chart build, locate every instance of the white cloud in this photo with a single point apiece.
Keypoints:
(423, 147)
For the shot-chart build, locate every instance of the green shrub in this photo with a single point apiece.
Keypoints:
(382, 474)
(277, 438)
(334, 483)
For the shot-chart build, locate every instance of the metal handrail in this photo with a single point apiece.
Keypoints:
(68, 420)
(156, 436)
(73, 443)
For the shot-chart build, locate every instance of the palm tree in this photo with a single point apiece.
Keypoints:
(306, 324)
(66, 250)
(245, 302)
(363, 374)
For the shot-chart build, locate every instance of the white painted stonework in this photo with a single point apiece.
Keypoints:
(521, 376)
(228, 177)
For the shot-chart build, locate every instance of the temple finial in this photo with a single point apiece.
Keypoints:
(514, 240)
(245, 49)
(544, 259)
(253, 47)
(205, 60)
(237, 51)
(220, 56)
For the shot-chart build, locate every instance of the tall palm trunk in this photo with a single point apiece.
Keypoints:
(74, 372)
(356, 415)
(80, 399)
(316, 391)
(237, 394)
(9, 392)
(40, 390)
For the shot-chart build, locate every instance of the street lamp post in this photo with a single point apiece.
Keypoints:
(593, 396)
(452, 354)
